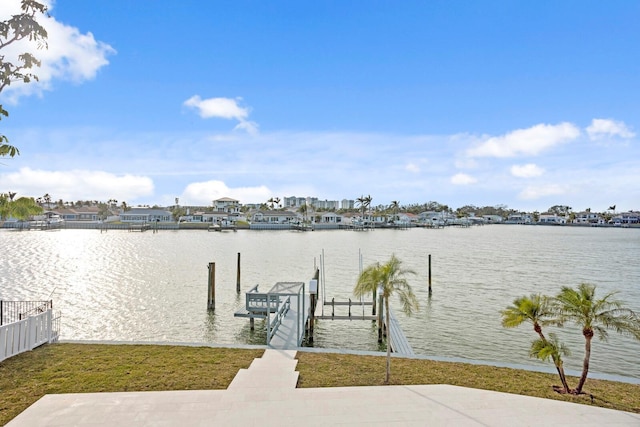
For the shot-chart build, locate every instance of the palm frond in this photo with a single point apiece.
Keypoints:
(550, 348)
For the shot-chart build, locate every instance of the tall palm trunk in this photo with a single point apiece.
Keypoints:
(386, 322)
(588, 335)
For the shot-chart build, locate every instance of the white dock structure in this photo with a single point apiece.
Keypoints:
(285, 308)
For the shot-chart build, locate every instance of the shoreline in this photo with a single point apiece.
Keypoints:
(141, 227)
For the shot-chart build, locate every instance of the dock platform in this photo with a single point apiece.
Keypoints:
(398, 340)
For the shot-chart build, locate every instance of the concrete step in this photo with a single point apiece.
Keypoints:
(246, 379)
(276, 368)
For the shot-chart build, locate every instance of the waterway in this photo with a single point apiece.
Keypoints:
(128, 286)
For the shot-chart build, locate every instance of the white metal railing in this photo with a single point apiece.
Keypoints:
(261, 302)
(26, 334)
(281, 310)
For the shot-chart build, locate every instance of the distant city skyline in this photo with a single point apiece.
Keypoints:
(527, 105)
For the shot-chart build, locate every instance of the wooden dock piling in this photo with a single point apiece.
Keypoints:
(380, 318)
(238, 275)
(373, 305)
(211, 300)
(429, 274)
(313, 294)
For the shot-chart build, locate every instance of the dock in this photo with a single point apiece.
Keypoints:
(219, 227)
(398, 340)
(139, 227)
(352, 315)
(284, 307)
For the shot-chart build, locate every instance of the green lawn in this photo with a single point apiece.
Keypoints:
(84, 368)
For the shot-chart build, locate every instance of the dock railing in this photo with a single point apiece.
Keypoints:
(281, 310)
(259, 302)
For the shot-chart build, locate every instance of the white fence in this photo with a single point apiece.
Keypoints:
(26, 334)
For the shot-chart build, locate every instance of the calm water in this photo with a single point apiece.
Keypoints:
(153, 287)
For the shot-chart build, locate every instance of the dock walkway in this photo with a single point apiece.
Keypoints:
(398, 341)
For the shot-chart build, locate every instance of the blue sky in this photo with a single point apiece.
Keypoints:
(524, 104)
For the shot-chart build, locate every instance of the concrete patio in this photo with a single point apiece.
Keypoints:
(265, 395)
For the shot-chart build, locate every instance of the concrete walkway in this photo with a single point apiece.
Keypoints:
(265, 395)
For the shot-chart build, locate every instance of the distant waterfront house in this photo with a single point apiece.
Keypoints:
(189, 217)
(493, 219)
(587, 218)
(519, 218)
(436, 218)
(219, 218)
(83, 213)
(227, 205)
(403, 218)
(146, 215)
(276, 217)
(331, 218)
(548, 218)
(630, 217)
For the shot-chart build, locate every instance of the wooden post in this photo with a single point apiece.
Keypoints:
(211, 300)
(238, 276)
(251, 323)
(312, 317)
(373, 304)
(314, 301)
(429, 274)
(380, 320)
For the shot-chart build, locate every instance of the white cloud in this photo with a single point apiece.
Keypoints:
(70, 56)
(603, 128)
(74, 185)
(248, 126)
(463, 179)
(537, 192)
(203, 193)
(526, 142)
(529, 170)
(412, 167)
(223, 108)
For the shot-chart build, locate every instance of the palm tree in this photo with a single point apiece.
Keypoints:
(581, 307)
(388, 279)
(551, 348)
(303, 210)
(5, 206)
(395, 205)
(536, 309)
(25, 207)
(367, 201)
(361, 202)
